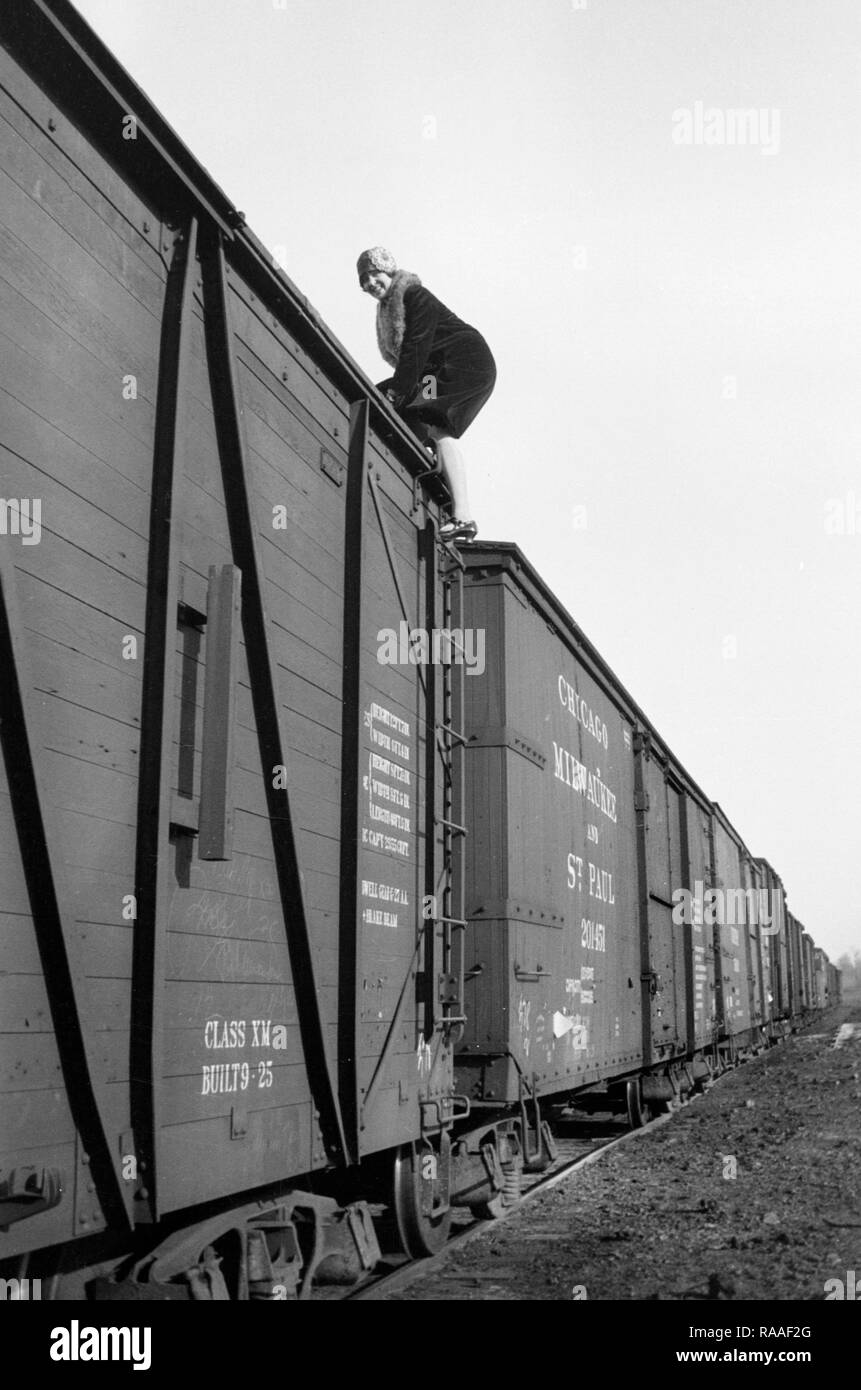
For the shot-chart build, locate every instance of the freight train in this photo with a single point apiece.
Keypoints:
(302, 942)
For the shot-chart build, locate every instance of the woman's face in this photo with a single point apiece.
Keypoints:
(376, 283)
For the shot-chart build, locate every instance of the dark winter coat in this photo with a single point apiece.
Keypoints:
(444, 370)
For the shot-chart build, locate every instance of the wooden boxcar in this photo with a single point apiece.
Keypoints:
(704, 997)
(553, 991)
(221, 808)
(796, 966)
(823, 990)
(777, 950)
(808, 971)
(585, 837)
(740, 971)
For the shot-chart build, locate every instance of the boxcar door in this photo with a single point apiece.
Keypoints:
(750, 875)
(661, 1032)
(243, 963)
(702, 1003)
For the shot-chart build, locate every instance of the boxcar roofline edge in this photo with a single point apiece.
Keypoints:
(98, 89)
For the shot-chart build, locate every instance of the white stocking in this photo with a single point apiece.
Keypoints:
(454, 470)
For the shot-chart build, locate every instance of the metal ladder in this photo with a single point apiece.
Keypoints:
(450, 744)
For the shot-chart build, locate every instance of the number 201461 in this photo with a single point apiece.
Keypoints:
(592, 935)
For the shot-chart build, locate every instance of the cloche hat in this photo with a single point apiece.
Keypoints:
(376, 258)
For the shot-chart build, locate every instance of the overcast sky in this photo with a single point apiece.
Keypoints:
(674, 437)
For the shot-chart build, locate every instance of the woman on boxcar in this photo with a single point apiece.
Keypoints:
(444, 370)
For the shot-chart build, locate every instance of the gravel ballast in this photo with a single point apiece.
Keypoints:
(752, 1191)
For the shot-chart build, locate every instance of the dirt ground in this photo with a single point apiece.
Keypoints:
(752, 1191)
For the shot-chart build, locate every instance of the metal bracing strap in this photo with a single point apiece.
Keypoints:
(453, 733)
(155, 781)
(384, 531)
(264, 690)
(56, 930)
(349, 939)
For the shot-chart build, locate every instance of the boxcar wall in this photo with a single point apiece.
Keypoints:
(777, 946)
(703, 982)
(766, 994)
(796, 966)
(217, 812)
(581, 962)
(581, 828)
(678, 942)
(551, 901)
(740, 972)
(809, 962)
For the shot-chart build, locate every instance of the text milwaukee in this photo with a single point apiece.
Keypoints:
(577, 776)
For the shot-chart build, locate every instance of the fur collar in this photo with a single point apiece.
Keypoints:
(391, 316)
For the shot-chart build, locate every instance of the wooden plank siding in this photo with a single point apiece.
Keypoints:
(705, 1023)
(81, 296)
(733, 936)
(85, 262)
(569, 1006)
(550, 993)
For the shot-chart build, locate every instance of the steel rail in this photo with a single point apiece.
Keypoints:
(380, 1287)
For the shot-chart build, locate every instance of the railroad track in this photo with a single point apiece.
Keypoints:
(580, 1141)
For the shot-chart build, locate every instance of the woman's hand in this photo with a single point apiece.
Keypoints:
(386, 388)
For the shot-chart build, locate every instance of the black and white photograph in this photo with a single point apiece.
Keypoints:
(430, 659)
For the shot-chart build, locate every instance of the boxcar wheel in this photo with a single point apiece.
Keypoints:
(421, 1233)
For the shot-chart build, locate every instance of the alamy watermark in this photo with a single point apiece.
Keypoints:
(20, 1290)
(713, 125)
(850, 1291)
(21, 517)
(733, 907)
(843, 515)
(77, 1343)
(438, 646)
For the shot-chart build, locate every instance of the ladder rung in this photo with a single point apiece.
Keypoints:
(455, 733)
(452, 825)
(454, 921)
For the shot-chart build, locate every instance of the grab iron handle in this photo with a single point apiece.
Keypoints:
(531, 975)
